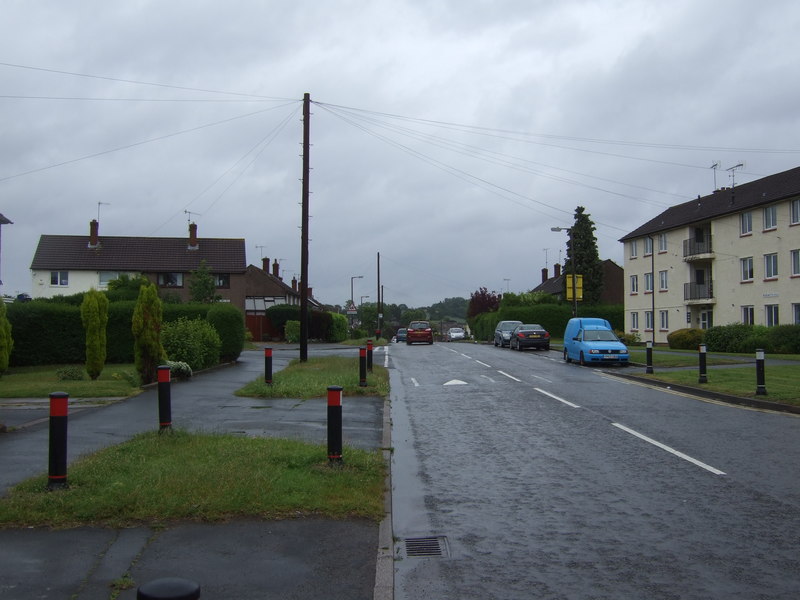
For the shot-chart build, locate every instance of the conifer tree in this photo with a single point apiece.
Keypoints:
(6, 341)
(146, 328)
(582, 253)
(94, 316)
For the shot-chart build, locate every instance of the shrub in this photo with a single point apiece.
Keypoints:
(784, 339)
(629, 339)
(292, 329)
(727, 338)
(146, 327)
(228, 321)
(338, 330)
(179, 369)
(758, 338)
(685, 339)
(70, 373)
(193, 341)
(94, 315)
(6, 341)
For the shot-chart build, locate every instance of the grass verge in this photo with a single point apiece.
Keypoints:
(118, 380)
(311, 379)
(156, 478)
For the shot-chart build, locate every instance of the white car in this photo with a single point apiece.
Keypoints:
(455, 333)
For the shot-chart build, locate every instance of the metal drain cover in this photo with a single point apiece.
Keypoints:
(426, 547)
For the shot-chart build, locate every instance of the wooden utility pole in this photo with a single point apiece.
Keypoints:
(304, 231)
(380, 304)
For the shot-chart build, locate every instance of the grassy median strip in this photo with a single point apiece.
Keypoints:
(311, 379)
(156, 478)
(116, 381)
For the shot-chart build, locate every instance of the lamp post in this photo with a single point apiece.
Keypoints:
(574, 268)
(360, 302)
(352, 301)
(508, 284)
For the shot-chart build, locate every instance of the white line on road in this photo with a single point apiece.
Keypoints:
(554, 397)
(670, 450)
(465, 356)
(414, 381)
(489, 378)
(509, 376)
(483, 363)
(543, 378)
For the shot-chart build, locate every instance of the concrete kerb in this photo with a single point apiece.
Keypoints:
(384, 565)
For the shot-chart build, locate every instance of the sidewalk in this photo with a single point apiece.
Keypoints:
(292, 559)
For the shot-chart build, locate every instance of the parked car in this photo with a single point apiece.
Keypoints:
(401, 335)
(529, 335)
(591, 340)
(456, 333)
(419, 331)
(502, 333)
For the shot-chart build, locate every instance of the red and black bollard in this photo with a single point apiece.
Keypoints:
(57, 473)
(334, 424)
(761, 388)
(268, 366)
(164, 399)
(362, 367)
(702, 378)
(369, 356)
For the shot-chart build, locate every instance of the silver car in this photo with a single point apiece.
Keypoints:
(502, 333)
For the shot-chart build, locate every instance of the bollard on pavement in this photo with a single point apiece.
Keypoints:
(169, 588)
(268, 366)
(164, 399)
(649, 355)
(334, 425)
(362, 367)
(57, 471)
(369, 356)
(761, 388)
(702, 352)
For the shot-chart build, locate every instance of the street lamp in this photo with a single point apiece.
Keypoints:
(362, 300)
(352, 302)
(508, 283)
(574, 268)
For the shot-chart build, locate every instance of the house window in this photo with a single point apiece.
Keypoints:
(60, 278)
(746, 223)
(770, 217)
(795, 254)
(794, 212)
(748, 315)
(770, 266)
(634, 284)
(635, 320)
(170, 279)
(662, 281)
(223, 280)
(771, 315)
(648, 246)
(747, 268)
(662, 242)
(663, 316)
(796, 314)
(634, 249)
(648, 283)
(106, 276)
(648, 320)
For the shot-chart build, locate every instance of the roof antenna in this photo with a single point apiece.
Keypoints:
(262, 249)
(715, 166)
(98, 209)
(190, 213)
(732, 171)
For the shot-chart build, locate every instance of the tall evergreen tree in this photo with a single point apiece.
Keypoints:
(94, 315)
(6, 341)
(582, 253)
(203, 285)
(146, 327)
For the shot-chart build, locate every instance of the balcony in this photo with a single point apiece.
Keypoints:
(699, 293)
(697, 250)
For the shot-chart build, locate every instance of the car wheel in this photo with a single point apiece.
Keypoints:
(547, 348)
(519, 348)
(566, 356)
(495, 342)
(583, 361)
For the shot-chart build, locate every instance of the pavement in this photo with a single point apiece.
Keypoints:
(297, 559)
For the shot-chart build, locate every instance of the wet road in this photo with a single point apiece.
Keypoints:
(532, 478)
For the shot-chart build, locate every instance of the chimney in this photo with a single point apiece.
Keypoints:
(557, 270)
(94, 228)
(294, 284)
(310, 295)
(193, 236)
(544, 274)
(275, 269)
(265, 264)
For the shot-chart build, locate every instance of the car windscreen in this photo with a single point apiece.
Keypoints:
(508, 326)
(419, 325)
(599, 335)
(531, 328)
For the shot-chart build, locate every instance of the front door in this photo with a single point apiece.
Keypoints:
(706, 319)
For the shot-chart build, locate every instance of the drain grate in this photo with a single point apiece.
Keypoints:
(426, 547)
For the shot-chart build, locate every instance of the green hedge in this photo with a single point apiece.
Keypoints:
(738, 337)
(229, 323)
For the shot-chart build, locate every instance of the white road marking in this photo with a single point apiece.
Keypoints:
(483, 363)
(543, 378)
(465, 356)
(509, 376)
(456, 382)
(554, 397)
(489, 378)
(694, 461)
(414, 381)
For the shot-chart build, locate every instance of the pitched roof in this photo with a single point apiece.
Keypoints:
(725, 201)
(146, 254)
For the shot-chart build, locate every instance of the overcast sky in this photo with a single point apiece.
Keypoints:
(449, 136)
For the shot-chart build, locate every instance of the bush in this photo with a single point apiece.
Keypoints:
(727, 338)
(194, 342)
(629, 339)
(685, 339)
(70, 374)
(179, 369)
(338, 329)
(758, 338)
(784, 339)
(292, 330)
(229, 323)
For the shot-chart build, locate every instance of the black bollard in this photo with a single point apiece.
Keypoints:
(649, 355)
(57, 472)
(268, 366)
(362, 367)
(164, 399)
(369, 356)
(334, 424)
(169, 588)
(702, 378)
(761, 388)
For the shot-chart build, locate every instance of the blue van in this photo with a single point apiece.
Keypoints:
(591, 340)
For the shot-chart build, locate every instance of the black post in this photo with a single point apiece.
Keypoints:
(362, 367)
(761, 389)
(168, 588)
(268, 366)
(57, 473)
(334, 424)
(702, 378)
(164, 399)
(369, 356)
(649, 354)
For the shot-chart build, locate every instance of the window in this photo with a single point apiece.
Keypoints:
(634, 249)
(648, 320)
(648, 246)
(106, 276)
(663, 315)
(771, 315)
(770, 217)
(59, 278)
(747, 268)
(170, 279)
(748, 315)
(770, 266)
(662, 242)
(746, 223)
(223, 280)
(634, 284)
(796, 314)
(648, 283)
(794, 212)
(795, 254)
(662, 281)
(635, 320)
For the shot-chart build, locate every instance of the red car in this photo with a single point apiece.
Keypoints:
(419, 331)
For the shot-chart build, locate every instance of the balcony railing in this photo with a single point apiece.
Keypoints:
(695, 247)
(698, 291)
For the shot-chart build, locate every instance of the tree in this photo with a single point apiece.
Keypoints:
(94, 316)
(126, 287)
(582, 257)
(6, 341)
(203, 285)
(482, 301)
(146, 327)
(452, 308)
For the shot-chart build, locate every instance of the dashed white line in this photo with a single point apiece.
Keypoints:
(509, 376)
(415, 382)
(465, 356)
(554, 397)
(483, 363)
(694, 461)
(543, 378)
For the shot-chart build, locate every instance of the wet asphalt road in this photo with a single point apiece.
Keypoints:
(540, 479)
